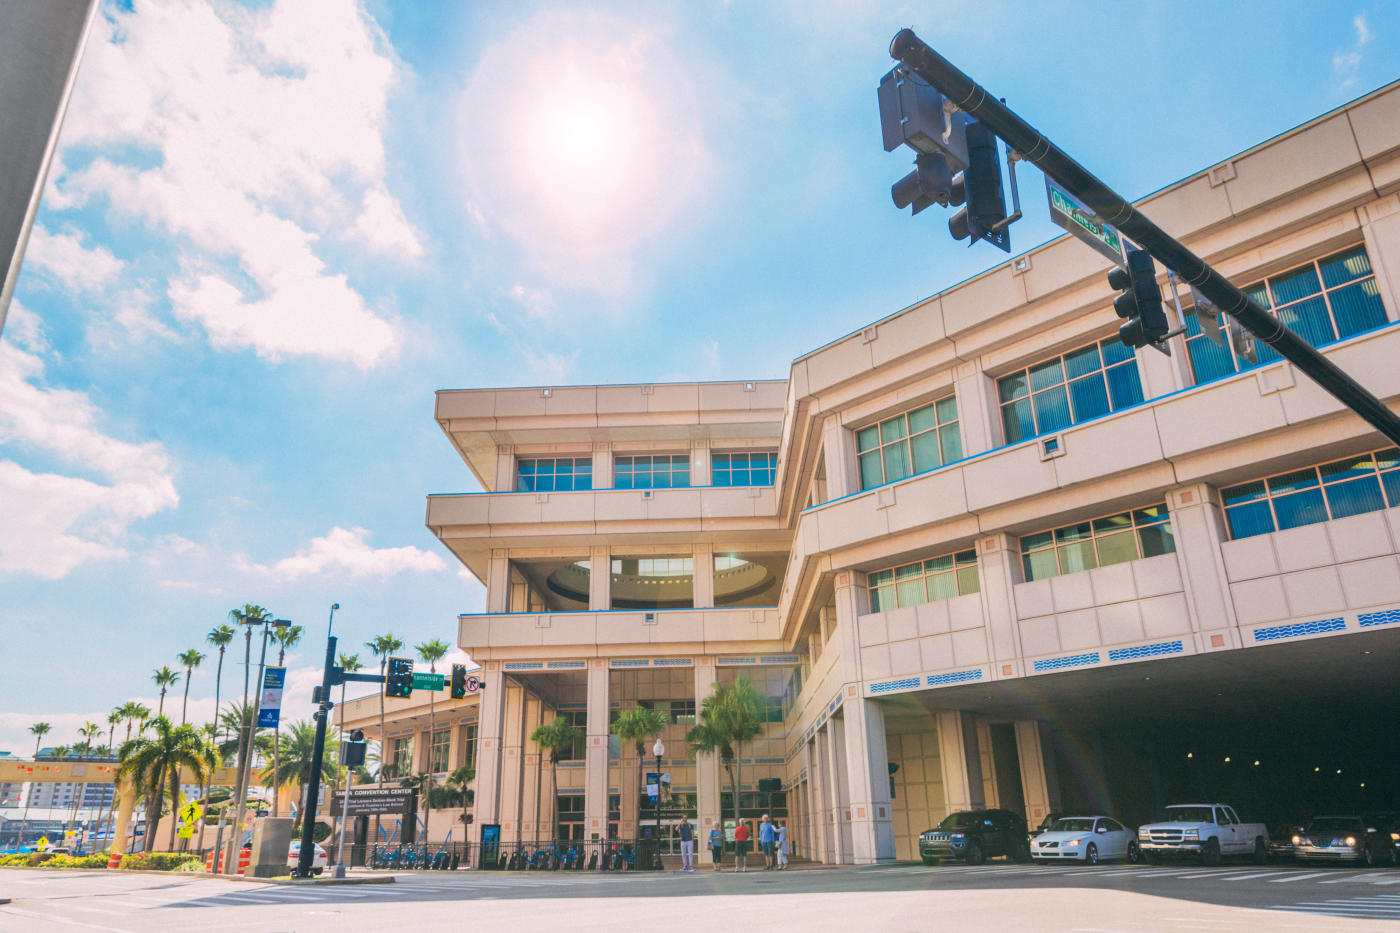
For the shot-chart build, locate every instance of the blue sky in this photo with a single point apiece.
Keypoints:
(274, 229)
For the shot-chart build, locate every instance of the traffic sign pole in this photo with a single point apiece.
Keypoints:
(1111, 208)
(307, 852)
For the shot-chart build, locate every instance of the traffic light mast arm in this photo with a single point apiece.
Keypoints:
(343, 677)
(1033, 147)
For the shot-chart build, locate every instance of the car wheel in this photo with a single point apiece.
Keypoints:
(973, 854)
(929, 860)
(1210, 853)
(317, 871)
(1261, 852)
(1368, 858)
(1091, 855)
(1134, 854)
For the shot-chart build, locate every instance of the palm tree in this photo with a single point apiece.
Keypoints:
(248, 615)
(381, 646)
(88, 732)
(191, 659)
(133, 712)
(234, 720)
(297, 747)
(638, 726)
(349, 663)
(558, 738)
(728, 718)
(460, 781)
(286, 638)
(164, 678)
(39, 730)
(432, 652)
(150, 763)
(220, 638)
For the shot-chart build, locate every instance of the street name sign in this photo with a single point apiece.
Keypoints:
(1070, 213)
(427, 681)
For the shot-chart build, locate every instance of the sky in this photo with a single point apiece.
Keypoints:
(272, 230)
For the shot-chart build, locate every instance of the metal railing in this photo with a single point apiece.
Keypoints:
(558, 855)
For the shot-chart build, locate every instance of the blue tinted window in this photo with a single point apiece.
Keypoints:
(651, 471)
(1102, 377)
(554, 474)
(750, 468)
(913, 441)
(1350, 486)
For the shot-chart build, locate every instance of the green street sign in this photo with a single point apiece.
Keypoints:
(427, 681)
(1067, 212)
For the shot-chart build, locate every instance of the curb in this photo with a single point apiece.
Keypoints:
(205, 876)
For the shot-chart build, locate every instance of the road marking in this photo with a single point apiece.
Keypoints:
(1363, 876)
(54, 918)
(1311, 874)
(1251, 875)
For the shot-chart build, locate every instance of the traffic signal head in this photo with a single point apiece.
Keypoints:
(1140, 304)
(912, 114)
(399, 678)
(929, 183)
(354, 749)
(978, 188)
(459, 681)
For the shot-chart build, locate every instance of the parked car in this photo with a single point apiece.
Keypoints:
(1342, 839)
(1207, 830)
(1087, 839)
(318, 859)
(1281, 839)
(1388, 824)
(976, 835)
(1046, 823)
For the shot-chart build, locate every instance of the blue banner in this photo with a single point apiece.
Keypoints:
(270, 709)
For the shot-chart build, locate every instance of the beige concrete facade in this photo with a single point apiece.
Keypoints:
(882, 732)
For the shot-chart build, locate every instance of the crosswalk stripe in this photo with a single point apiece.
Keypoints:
(1354, 876)
(1311, 874)
(1251, 875)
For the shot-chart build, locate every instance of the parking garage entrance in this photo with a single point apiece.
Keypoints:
(1282, 733)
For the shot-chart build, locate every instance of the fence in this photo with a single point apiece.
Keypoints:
(562, 855)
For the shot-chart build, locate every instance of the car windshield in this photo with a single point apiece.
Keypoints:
(960, 820)
(1334, 826)
(1186, 815)
(1072, 826)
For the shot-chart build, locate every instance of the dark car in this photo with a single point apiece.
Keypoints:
(976, 835)
(1387, 823)
(1342, 839)
(1281, 839)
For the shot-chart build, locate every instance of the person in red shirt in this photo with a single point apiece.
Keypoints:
(741, 847)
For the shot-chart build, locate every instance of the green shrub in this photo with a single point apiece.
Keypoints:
(161, 861)
(17, 858)
(98, 860)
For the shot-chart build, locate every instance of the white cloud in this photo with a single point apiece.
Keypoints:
(24, 329)
(383, 226)
(250, 116)
(64, 258)
(549, 368)
(348, 551)
(1346, 65)
(54, 523)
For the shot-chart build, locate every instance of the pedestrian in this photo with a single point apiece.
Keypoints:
(687, 833)
(741, 847)
(716, 844)
(782, 846)
(765, 841)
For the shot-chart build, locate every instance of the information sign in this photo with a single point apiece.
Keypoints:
(427, 681)
(1068, 212)
(271, 707)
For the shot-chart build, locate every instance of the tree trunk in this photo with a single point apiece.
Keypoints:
(554, 792)
(738, 776)
(160, 709)
(641, 758)
(185, 704)
(432, 765)
(155, 794)
(218, 684)
(174, 803)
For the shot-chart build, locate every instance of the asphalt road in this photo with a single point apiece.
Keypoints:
(985, 899)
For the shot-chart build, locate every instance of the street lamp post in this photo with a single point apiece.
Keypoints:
(658, 750)
(249, 729)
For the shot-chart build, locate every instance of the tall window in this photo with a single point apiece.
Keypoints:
(578, 718)
(751, 468)
(676, 712)
(442, 743)
(1112, 539)
(910, 442)
(652, 472)
(559, 474)
(400, 763)
(1366, 483)
(469, 745)
(1067, 389)
(1324, 301)
(924, 581)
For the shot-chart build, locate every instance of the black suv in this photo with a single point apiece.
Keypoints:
(976, 835)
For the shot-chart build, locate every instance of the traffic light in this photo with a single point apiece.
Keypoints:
(978, 189)
(913, 114)
(354, 749)
(459, 681)
(399, 682)
(1141, 302)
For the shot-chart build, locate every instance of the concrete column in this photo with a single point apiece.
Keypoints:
(839, 451)
(850, 596)
(1040, 785)
(533, 812)
(977, 409)
(1380, 225)
(595, 778)
(867, 767)
(987, 764)
(1158, 372)
(602, 466)
(831, 848)
(840, 783)
(126, 802)
(489, 736)
(600, 578)
(704, 561)
(505, 469)
(701, 467)
(816, 801)
(512, 767)
(998, 569)
(960, 759)
(708, 778)
(498, 581)
(1198, 528)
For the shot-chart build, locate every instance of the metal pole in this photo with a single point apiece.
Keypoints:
(250, 725)
(658, 811)
(318, 753)
(1032, 146)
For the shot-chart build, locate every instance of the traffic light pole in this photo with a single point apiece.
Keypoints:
(307, 852)
(1030, 145)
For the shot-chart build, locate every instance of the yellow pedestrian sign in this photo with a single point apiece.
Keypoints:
(185, 832)
(43, 844)
(191, 812)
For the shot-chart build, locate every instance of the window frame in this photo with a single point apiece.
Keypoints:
(440, 740)
(961, 561)
(671, 471)
(1387, 480)
(880, 451)
(1029, 392)
(1073, 541)
(728, 469)
(580, 469)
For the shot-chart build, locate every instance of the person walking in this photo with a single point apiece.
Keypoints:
(782, 844)
(765, 841)
(741, 847)
(716, 844)
(687, 833)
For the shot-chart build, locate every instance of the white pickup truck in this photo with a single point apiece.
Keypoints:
(1209, 830)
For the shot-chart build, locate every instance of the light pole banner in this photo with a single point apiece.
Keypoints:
(271, 708)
